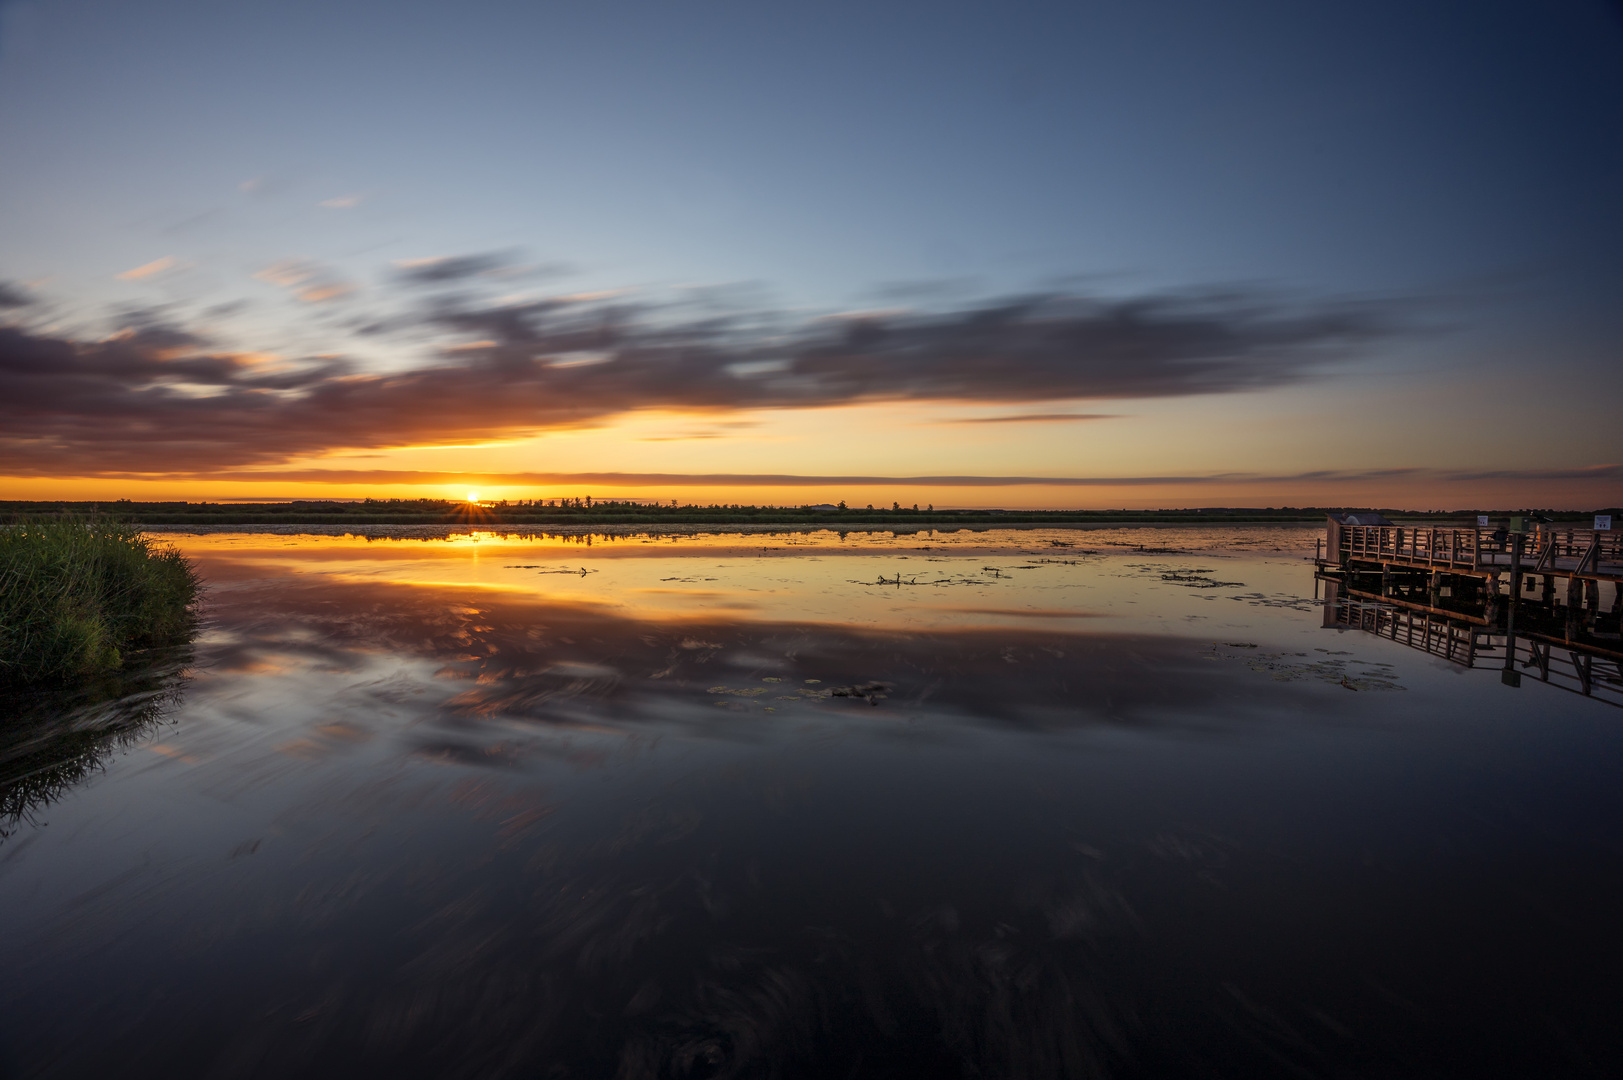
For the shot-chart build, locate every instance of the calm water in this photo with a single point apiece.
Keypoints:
(1021, 804)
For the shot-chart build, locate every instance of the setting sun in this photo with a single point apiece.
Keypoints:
(473, 496)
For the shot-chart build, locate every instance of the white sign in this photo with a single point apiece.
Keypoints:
(1603, 522)
(1482, 521)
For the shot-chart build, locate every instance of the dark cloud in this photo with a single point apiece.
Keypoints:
(142, 402)
(1588, 472)
(626, 480)
(154, 330)
(454, 268)
(13, 297)
(227, 309)
(1034, 418)
(646, 479)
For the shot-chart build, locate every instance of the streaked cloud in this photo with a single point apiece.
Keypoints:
(652, 479)
(445, 269)
(317, 294)
(73, 404)
(13, 296)
(1586, 472)
(288, 273)
(622, 480)
(342, 202)
(1032, 418)
(151, 269)
(308, 281)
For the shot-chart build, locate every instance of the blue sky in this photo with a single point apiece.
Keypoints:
(1457, 164)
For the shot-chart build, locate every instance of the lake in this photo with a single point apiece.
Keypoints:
(1046, 803)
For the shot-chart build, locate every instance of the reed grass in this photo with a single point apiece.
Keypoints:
(77, 598)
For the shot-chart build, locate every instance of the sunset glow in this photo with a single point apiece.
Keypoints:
(1203, 312)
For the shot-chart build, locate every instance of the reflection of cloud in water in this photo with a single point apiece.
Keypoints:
(555, 662)
(1024, 851)
(996, 578)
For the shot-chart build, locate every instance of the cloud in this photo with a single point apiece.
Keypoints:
(343, 202)
(12, 296)
(151, 269)
(624, 480)
(1032, 418)
(81, 406)
(308, 281)
(648, 479)
(152, 331)
(288, 273)
(1587, 472)
(443, 269)
(317, 294)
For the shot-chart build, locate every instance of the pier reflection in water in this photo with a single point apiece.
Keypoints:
(1020, 804)
(1514, 622)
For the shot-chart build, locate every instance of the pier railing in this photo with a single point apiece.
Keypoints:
(1444, 547)
(1588, 549)
(1576, 552)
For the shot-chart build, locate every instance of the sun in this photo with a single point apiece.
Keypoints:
(473, 496)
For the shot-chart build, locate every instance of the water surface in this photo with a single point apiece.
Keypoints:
(1109, 802)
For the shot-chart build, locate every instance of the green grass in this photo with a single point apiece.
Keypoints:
(77, 598)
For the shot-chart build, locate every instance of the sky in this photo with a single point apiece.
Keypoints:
(1097, 255)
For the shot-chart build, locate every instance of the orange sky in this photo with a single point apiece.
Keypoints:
(1072, 403)
(1152, 454)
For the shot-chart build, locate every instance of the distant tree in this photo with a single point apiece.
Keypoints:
(895, 506)
(842, 504)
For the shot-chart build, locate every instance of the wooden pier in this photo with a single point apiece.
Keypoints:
(1485, 597)
(1563, 552)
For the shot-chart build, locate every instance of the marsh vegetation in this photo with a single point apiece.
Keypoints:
(77, 598)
